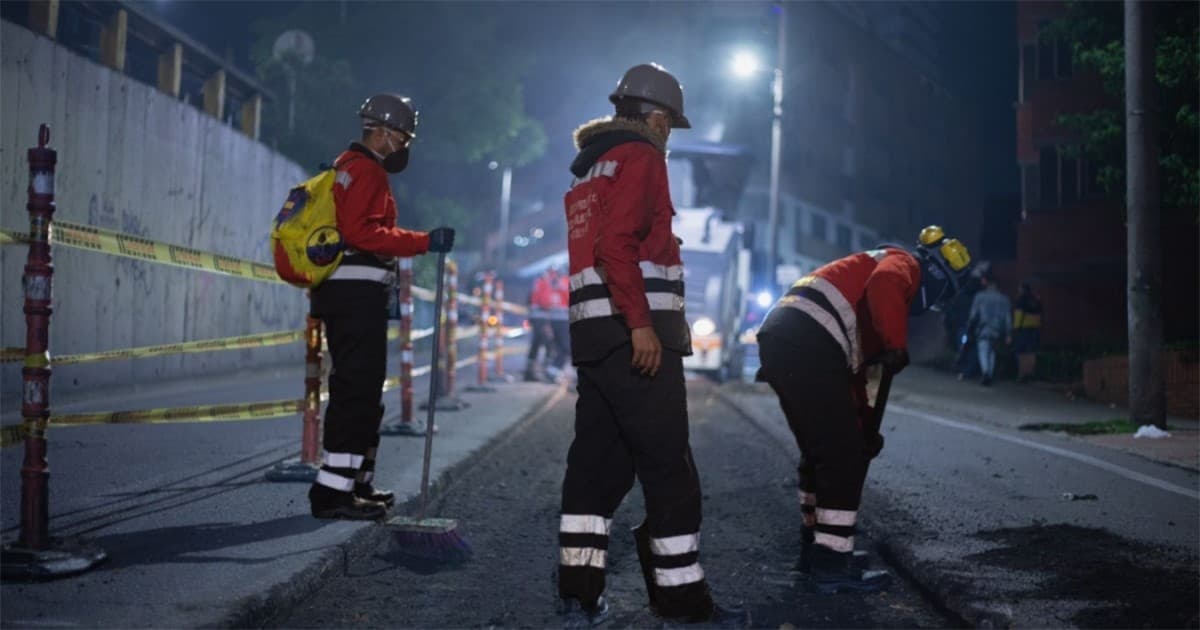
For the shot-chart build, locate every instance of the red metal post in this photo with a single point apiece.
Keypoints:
(481, 372)
(35, 404)
(498, 345)
(405, 278)
(310, 445)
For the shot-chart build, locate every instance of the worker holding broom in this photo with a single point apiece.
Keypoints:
(815, 346)
(352, 304)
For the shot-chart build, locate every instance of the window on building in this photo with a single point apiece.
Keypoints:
(817, 228)
(1053, 57)
(1030, 200)
(1062, 178)
(1048, 186)
(1028, 72)
(844, 235)
(1070, 184)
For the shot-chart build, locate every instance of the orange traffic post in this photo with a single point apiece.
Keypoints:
(447, 399)
(404, 283)
(305, 468)
(481, 363)
(35, 554)
(498, 375)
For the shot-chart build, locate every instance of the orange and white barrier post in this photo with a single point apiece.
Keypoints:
(447, 373)
(484, 294)
(305, 468)
(404, 298)
(35, 554)
(498, 374)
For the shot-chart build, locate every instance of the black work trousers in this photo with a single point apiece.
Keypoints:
(539, 327)
(562, 343)
(354, 313)
(808, 372)
(631, 426)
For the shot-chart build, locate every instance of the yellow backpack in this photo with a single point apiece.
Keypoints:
(305, 241)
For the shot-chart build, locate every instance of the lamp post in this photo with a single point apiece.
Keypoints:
(745, 64)
(505, 206)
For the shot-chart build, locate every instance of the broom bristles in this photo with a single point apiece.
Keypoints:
(431, 538)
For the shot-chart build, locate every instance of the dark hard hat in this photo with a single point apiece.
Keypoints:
(652, 83)
(391, 110)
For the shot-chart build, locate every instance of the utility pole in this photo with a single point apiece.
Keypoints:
(1147, 395)
(505, 203)
(776, 146)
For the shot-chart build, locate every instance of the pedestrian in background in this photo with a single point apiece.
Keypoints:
(1027, 330)
(991, 317)
(541, 300)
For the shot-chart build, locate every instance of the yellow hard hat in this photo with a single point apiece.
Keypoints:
(931, 235)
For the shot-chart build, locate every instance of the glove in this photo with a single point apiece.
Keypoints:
(441, 240)
(894, 360)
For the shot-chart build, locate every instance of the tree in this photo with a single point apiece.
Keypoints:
(451, 58)
(1094, 32)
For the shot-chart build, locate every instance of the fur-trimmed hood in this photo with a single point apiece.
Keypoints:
(594, 138)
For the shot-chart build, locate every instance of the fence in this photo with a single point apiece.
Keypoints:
(36, 553)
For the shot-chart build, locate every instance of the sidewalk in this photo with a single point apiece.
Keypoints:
(195, 535)
(1012, 405)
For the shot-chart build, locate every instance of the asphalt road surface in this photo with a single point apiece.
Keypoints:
(507, 505)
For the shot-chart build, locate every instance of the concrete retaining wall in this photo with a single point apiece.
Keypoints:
(133, 159)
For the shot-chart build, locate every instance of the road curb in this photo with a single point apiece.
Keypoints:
(256, 611)
(933, 584)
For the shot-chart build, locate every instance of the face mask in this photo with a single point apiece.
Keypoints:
(397, 160)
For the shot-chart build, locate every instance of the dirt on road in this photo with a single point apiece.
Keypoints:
(507, 505)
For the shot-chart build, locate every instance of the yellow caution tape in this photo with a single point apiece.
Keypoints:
(139, 248)
(13, 434)
(205, 345)
(12, 238)
(198, 413)
(129, 246)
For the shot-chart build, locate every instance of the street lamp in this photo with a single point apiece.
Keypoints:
(505, 203)
(744, 65)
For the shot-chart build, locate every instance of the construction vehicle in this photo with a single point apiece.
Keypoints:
(707, 180)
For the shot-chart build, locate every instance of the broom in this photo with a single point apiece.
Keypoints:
(431, 538)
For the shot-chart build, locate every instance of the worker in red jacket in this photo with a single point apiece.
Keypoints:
(541, 299)
(558, 317)
(352, 304)
(814, 346)
(628, 340)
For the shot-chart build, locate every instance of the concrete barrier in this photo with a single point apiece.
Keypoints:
(133, 159)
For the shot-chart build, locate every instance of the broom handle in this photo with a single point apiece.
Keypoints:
(433, 380)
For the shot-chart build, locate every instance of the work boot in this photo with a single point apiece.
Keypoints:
(368, 492)
(576, 615)
(328, 503)
(366, 475)
(839, 572)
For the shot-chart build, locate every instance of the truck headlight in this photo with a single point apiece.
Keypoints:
(704, 326)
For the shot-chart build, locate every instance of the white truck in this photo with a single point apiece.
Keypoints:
(716, 279)
(707, 181)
